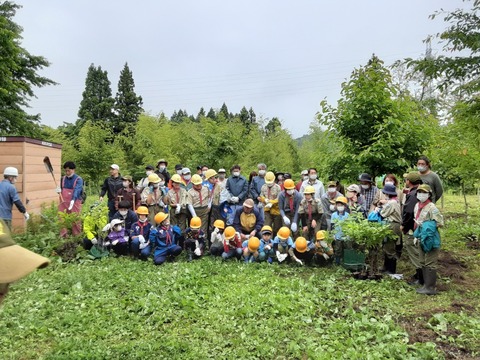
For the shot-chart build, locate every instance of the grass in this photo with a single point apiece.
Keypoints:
(119, 308)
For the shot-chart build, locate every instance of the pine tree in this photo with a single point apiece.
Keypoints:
(224, 111)
(253, 117)
(244, 115)
(97, 103)
(201, 114)
(212, 114)
(128, 106)
(18, 76)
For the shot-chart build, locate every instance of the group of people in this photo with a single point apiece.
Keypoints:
(268, 217)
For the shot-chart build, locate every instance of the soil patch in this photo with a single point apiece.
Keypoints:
(450, 267)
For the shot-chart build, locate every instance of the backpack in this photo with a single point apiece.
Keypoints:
(83, 195)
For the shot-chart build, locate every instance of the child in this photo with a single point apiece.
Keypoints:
(311, 212)
(250, 249)
(322, 251)
(124, 213)
(140, 233)
(216, 238)
(266, 245)
(117, 237)
(302, 250)
(164, 239)
(341, 213)
(232, 245)
(194, 239)
(427, 221)
(390, 211)
(282, 244)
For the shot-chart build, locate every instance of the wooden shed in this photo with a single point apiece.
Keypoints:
(35, 185)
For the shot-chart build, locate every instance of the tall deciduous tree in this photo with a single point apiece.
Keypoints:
(384, 131)
(18, 76)
(128, 106)
(97, 102)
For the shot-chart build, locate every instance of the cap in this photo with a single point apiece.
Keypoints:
(199, 167)
(149, 167)
(127, 177)
(248, 203)
(221, 170)
(304, 172)
(178, 167)
(424, 187)
(354, 187)
(114, 166)
(332, 183)
(389, 189)
(185, 170)
(413, 177)
(16, 262)
(162, 161)
(365, 177)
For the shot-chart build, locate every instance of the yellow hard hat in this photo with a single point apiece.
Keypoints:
(269, 177)
(195, 223)
(342, 199)
(153, 178)
(176, 178)
(309, 190)
(196, 179)
(210, 173)
(160, 217)
(229, 232)
(253, 244)
(142, 210)
(289, 184)
(219, 224)
(283, 233)
(301, 244)
(321, 235)
(266, 228)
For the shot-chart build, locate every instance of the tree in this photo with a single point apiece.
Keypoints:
(97, 103)
(18, 76)
(224, 111)
(244, 115)
(201, 114)
(273, 125)
(384, 131)
(212, 114)
(253, 117)
(128, 106)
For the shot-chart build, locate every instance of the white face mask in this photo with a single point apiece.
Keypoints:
(332, 190)
(332, 207)
(421, 168)
(125, 184)
(142, 220)
(123, 212)
(290, 192)
(117, 228)
(305, 177)
(261, 172)
(161, 183)
(148, 172)
(340, 208)
(270, 185)
(161, 167)
(221, 176)
(204, 173)
(365, 187)
(389, 183)
(313, 177)
(422, 197)
(236, 173)
(187, 177)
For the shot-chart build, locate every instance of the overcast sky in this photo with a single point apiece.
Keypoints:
(279, 57)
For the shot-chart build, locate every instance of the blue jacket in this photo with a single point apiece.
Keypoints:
(284, 204)
(237, 186)
(67, 183)
(256, 187)
(129, 219)
(8, 197)
(163, 239)
(428, 235)
(238, 226)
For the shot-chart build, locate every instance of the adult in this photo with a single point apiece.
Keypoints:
(313, 181)
(70, 190)
(143, 183)
(153, 197)
(110, 186)
(430, 178)
(368, 189)
(380, 198)
(257, 183)
(288, 203)
(198, 201)
(303, 177)
(237, 188)
(214, 204)
(187, 177)
(16, 262)
(126, 215)
(128, 193)
(392, 215)
(248, 221)
(269, 195)
(162, 170)
(9, 196)
(328, 203)
(311, 213)
(222, 178)
(412, 181)
(356, 201)
(177, 202)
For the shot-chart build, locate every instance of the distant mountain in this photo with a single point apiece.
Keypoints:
(300, 140)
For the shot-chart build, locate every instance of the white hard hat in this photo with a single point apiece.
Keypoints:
(115, 222)
(10, 171)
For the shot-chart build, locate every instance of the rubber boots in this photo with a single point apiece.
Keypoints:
(392, 266)
(189, 255)
(417, 279)
(430, 277)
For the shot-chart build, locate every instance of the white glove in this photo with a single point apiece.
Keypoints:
(141, 239)
(58, 190)
(125, 238)
(415, 241)
(286, 220)
(106, 243)
(267, 247)
(114, 242)
(268, 206)
(70, 207)
(143, 245)
(294, 227)
(178, 209)
(323, 244)
(197, 252)
(325, 256)
(260, 205)
(215, 231)
(282, 257)
(161, 203)
(234, 199)
(26, 216)
(299, 261)
(94, 241)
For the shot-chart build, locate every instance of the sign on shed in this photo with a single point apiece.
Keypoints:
(35, 185)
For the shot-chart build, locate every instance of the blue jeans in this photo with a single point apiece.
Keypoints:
(144, 253)
(232, 252)
(173, 251)
(111, 209)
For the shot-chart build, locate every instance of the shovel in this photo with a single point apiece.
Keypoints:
(49, 167)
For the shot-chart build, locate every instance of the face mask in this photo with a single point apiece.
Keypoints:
(332, 207)
(204, 173)
(421, 168)
(125, 184)
(13, 181)
(148, 172)
(270, 185)
(117, 228)
(221, 176)
(123, 212)
(161, 183)
(142, 220)
(341, 208)
(422, 197)
(365, 187)
(332, 190)
(305, 178)
(389, 183)
(155, 186)
(236, 173)
(312, 177)
(290, 192)
(187, 177)
(161, 167)
(261, 172)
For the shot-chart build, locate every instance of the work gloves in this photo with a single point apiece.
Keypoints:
(299, 261)
(197, 252)
(268, 206)
(70, 207)
(178, 209)
(58, 190)
(94, 241)
(281, 257)
(294, 227)
(26, 216)
(325, 256)
(286, 220)
(234, 199)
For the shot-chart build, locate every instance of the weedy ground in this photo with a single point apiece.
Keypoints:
(120, 308)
